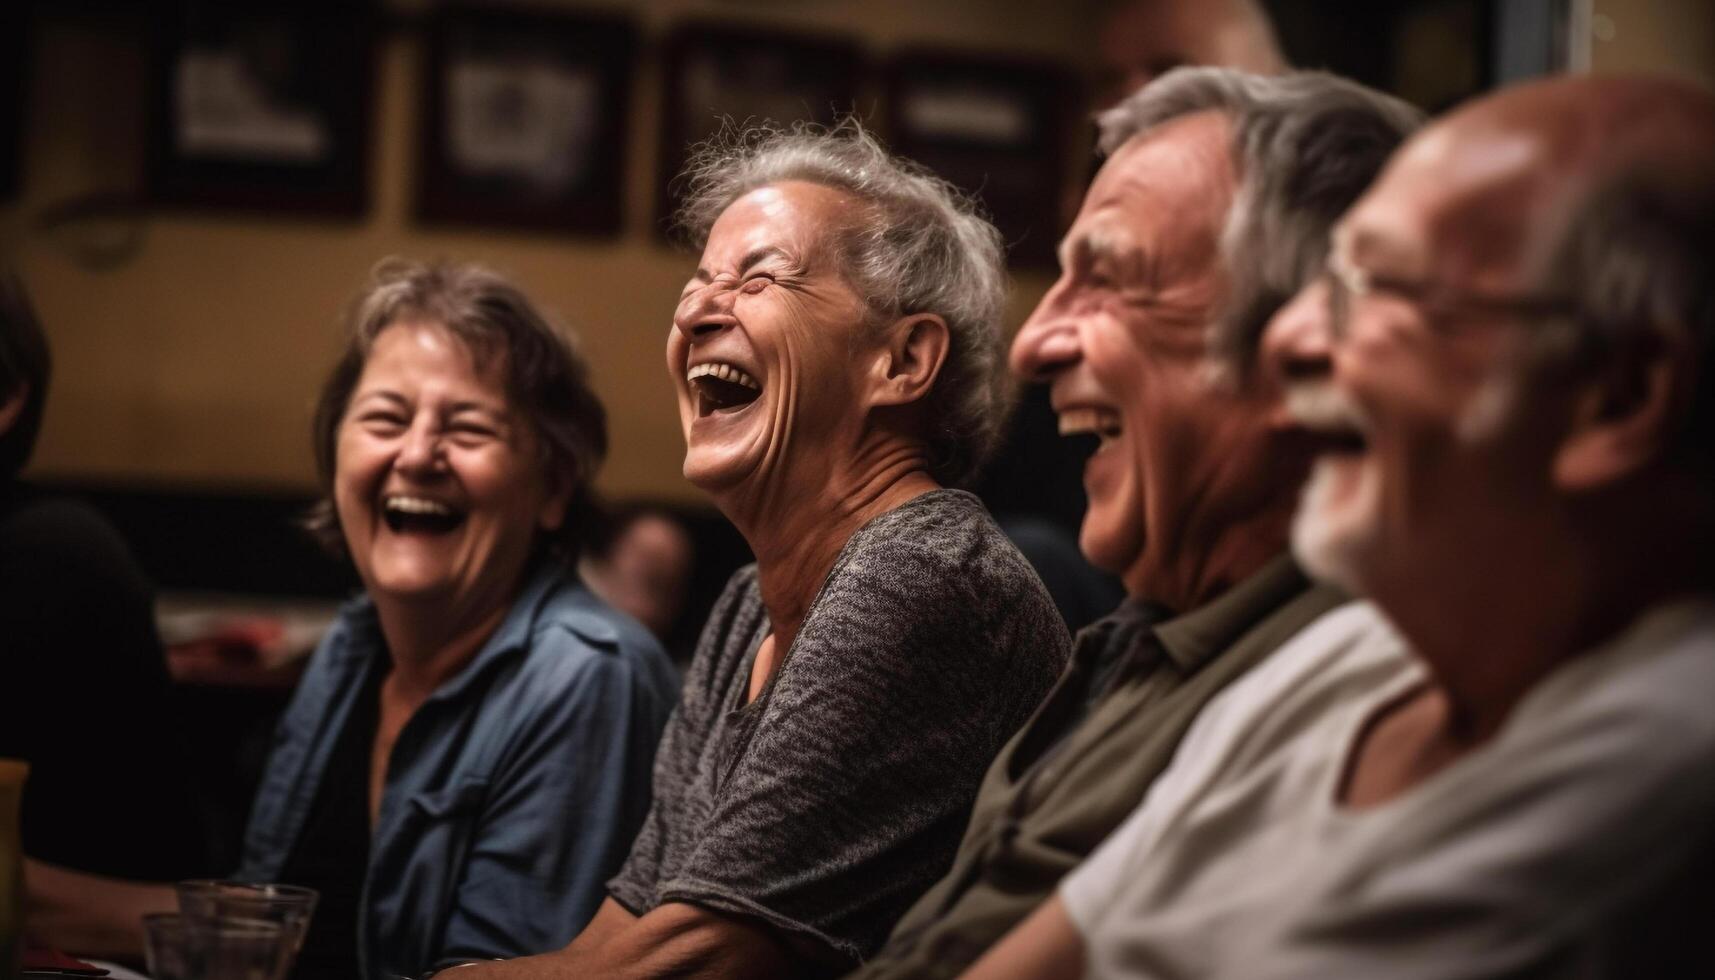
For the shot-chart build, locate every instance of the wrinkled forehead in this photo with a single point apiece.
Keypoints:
(795, 217)
(1166, 190)
(1473, 203)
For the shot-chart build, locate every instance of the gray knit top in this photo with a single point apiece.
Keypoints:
(827, 805)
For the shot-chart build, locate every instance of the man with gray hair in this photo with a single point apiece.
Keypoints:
(1212, 209)
(1508, 368)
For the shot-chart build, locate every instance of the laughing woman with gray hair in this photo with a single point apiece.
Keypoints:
(836, 357)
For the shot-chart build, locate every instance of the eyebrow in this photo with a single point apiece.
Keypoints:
(1365, 246)
(752, 257)
(1125, 252)
(468, 405)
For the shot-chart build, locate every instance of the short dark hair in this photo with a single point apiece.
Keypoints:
(26, 366)
(546, 380)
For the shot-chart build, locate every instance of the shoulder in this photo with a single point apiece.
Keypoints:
(941, 545)
(575, 635)
(1342, 658)
(1347, 648)
(1638, 706)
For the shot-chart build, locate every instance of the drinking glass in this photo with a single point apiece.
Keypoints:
(289, 905)
(178, 947)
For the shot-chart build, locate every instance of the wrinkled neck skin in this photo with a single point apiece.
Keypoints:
(797, 511)
(1209, 532)
(430, 640)
(1191, 569)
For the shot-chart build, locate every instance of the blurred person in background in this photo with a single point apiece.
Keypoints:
(84, 692)
(467, 757)
(1213, 207)
(1508, 370)
(642, 565)
(1141, 40)
(837, 361)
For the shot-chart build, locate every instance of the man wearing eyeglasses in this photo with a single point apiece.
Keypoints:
(1508, 366)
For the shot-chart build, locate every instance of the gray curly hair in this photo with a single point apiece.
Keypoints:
(1306, 144)
(917, 245)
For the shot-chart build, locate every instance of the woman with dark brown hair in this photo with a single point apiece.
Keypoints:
(468, 755)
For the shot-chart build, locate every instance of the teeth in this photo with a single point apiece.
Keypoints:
(1100, 421)
(418, 505)
(724, 372)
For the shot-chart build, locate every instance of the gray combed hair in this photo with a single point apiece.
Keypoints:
(916, 245)
(1306, 144)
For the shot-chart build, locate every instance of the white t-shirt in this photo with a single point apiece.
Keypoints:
(1535, 853)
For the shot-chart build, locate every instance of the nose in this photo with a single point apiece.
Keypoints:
(1047, 343)
(1297, 344)
(706, 311)
(421, 453)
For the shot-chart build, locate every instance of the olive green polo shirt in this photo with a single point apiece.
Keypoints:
(1084, 760)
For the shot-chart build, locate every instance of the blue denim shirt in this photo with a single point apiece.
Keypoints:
(512, 794)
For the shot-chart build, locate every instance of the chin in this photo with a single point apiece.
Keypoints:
(1329, 541)
(711, 474)
(1110, 548)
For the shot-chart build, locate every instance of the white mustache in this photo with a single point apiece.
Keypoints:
(1321, 406)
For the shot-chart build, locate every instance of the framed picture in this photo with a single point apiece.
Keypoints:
(14, 25)
(263, 106)
(997, 128)
(721, 73)
(524, 120)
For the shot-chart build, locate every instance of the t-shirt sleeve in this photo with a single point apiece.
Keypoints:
(637, 885)
(851, 796)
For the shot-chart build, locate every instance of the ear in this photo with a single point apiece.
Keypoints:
(13, 407)
(556, 501)
(1621, 420)
(914, 348)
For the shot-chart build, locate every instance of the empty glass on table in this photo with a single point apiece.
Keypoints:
(180, 947)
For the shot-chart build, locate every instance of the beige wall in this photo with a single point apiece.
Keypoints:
(1674, 36)
(193, 360)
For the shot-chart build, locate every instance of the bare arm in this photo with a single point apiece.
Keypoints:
(675, 940)
(1044, 946)
(88, 914)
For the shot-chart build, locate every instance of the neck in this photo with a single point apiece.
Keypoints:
(430, 643)
(796, 534)
(1183, 574)
(1539, 593)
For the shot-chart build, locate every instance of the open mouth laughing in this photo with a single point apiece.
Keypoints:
(1333, 423)
(1083, 421)
(410, 514)
(720, 387)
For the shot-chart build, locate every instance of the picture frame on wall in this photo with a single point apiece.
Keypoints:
(996, 127)
(525, 120)
(263, 106)
(720, 74)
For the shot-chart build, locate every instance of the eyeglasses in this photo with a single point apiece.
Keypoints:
(1443, 307)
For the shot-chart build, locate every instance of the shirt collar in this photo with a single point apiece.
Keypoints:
(1195, 637)
(542, 579)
